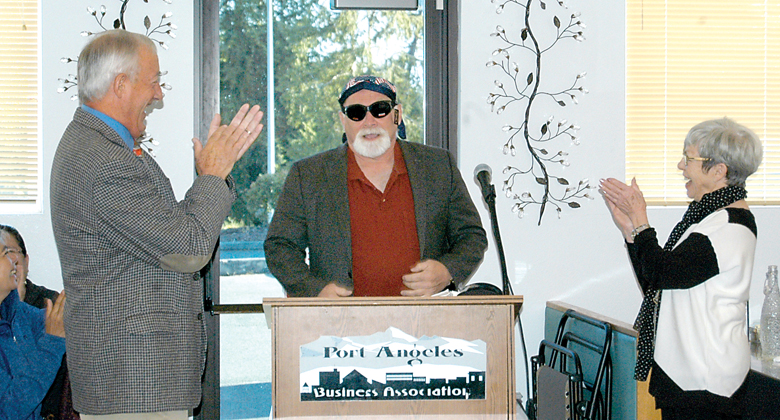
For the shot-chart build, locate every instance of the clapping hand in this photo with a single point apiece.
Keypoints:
(55, 314)
(227, 143)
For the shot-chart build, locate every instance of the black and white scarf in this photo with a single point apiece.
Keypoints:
(647, 320)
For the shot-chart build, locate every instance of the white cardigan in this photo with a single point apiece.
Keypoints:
(701, 341)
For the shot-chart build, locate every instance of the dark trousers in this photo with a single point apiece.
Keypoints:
(685, 413)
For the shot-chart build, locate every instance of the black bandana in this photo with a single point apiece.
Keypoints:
(646, 321)
(376, 84)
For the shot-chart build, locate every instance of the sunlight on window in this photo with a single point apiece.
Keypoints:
(316, 51)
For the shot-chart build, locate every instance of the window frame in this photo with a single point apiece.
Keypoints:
(441, 120)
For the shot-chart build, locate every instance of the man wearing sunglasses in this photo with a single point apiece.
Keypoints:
(377, 216)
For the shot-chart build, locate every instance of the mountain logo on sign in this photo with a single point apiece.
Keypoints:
(392, 365)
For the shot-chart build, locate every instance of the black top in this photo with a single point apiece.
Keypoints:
(36, 295)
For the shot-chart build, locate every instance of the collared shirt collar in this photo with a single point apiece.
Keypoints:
(120, 129)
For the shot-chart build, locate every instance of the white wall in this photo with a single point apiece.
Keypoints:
(61, 23)
(580, 258)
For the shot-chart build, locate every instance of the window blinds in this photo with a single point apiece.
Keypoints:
(20, 167)
(688, 61)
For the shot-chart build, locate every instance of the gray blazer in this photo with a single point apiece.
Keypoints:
(313, 213)
(130, 255)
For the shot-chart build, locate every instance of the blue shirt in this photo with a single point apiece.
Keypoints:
(29, 359)
(116, 125)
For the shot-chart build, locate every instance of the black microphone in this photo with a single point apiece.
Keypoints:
(483, 173)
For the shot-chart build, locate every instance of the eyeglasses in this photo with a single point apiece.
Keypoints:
(379, 109)
(688, 159)
(13, 254)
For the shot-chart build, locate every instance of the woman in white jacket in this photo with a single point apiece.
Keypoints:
(692, 321)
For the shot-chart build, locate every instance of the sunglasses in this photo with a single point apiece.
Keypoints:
(378, 109)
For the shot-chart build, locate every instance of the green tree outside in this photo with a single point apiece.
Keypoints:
(316, 51)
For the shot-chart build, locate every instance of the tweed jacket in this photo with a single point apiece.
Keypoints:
(313, 213)
(130, 255)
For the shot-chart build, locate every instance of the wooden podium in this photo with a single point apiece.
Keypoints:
(294, 322)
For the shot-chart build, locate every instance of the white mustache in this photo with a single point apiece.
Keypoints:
(371, 131)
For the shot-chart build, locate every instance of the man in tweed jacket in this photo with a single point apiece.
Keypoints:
(131, 253)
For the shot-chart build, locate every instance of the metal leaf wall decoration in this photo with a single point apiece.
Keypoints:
(521, 92)
(158, 33)
(165, 28)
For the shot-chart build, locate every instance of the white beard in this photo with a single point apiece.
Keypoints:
(371, 148)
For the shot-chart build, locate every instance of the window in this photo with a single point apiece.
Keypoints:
(316, 51)
(688, 61)
(20, 148)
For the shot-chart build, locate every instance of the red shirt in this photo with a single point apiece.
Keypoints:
(384, 230)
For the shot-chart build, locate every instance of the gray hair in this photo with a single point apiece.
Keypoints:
(724, 141)
(108, 55)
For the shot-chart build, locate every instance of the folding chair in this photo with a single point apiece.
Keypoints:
(586, 393)
(556, 389)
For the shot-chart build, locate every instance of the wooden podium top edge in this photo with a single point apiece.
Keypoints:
(269, 304)
(396, 301)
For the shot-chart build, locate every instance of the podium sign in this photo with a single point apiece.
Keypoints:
(409, 358)
(392, 366)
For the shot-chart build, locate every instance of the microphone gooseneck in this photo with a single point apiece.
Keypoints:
(482, 174)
